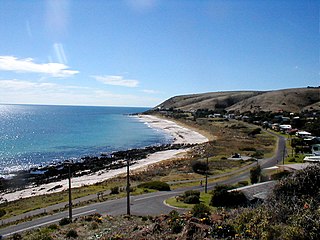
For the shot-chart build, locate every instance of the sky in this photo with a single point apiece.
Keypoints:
(142, 52)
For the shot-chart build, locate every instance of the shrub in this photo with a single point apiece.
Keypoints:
(94, 225)
(192, 199)
(53, 227)
(175, 222)
(114, 190)
(72, 234)
(249, 149)
(64, 221)
(292, 160)
(243, 183)
(199, 167)
(42, 235)
(255, 173)
(201, 210)
(157, 185)
(192, 192)
(257, 154)
(2, 212)
(280, 175)
(223, 231)
(255, 132)
(16, 236)
(222, 198)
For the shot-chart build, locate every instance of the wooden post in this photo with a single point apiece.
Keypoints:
(70, 198)
(206, 183)
(128, 188)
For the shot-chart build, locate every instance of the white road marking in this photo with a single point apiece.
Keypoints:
(83, 213)
(45, 223)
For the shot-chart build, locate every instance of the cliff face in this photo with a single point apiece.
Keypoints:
(290, 100)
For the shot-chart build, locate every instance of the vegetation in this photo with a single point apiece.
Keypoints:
(64, 221)
(72, 234)
(114, 190)
(255, 174)
(2, 212)
(201, 211)
(157, 185)
(199, 167)
(222, 197)
(191, 197)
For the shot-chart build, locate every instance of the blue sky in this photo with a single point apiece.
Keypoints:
(141, 52)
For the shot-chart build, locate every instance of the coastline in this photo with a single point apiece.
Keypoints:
(180, 134)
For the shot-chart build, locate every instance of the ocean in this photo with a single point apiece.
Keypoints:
(35, 135)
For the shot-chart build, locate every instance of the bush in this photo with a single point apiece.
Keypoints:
(255, 132)
(280, 175)
(223, 231)
(199, 167)
(255, 174)
(243, 183)
(292, 160)
(257, 154)
(222, 198)
(192, 199)
(201, 210)
(248, 149)
(94, 225)
(114, 190)
(53, 227)
(16, 236)
(157, 185)
(192, 192)
(72, 234)
(175, 222)
(2, 212)
(64, 221)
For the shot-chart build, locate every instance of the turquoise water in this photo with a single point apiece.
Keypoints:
(33, 135)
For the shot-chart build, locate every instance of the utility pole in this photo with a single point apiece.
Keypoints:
(128, 187)
(206, 183)
(70, 198)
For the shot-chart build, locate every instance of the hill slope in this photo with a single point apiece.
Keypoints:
(291, 100)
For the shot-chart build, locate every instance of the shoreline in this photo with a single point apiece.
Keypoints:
(180, 134)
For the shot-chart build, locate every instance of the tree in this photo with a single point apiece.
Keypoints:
(255, 174)
(199, 167)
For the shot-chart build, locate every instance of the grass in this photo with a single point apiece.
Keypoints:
(204, 198)
(175, 176)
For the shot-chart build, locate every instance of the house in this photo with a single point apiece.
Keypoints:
(303, 134)
(293, 167)
(285, 128)
(258, 191)
(312, 159)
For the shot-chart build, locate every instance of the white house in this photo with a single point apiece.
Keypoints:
(285, 127)
(303, 134)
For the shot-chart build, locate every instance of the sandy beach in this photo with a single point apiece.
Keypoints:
(180, 135)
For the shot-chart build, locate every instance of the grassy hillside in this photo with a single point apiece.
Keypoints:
(290, 100)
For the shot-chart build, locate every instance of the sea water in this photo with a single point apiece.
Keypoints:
(34, 135)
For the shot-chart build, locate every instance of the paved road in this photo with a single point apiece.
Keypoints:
(147, 204)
